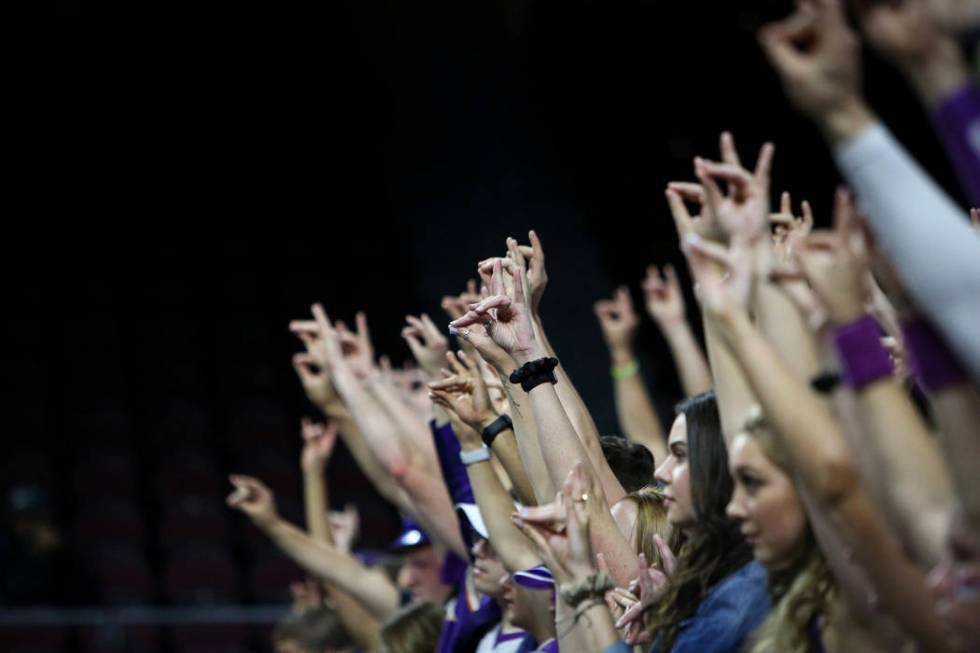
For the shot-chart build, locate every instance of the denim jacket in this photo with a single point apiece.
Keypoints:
(733, 608)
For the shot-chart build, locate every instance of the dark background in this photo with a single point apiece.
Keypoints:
(189, 184)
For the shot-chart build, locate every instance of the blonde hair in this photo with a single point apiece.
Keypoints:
(651, 519)
(801, 592)
(413, 629)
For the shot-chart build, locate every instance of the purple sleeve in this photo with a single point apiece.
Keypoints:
(957, 120)
(453, 470)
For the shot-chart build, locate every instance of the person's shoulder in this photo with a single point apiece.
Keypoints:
(734, 607)
(748, 582)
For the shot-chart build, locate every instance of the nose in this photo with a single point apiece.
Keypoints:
(663, 473)
(735, 510)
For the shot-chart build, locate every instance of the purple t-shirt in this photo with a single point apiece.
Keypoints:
(466, 625)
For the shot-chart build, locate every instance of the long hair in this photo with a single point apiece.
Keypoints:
(715, 548)
(803, 590)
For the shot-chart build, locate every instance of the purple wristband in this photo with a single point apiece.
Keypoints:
(934, 365)
(863, 358)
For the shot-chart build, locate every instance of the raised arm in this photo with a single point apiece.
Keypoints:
(817, 56)
(370, 587)
(463, 394)
(915, 479)
(495, 504)
(933, 63)
(665, 304)
(637, 416)
(511, 329)
(537, 276)
(318, 444)
(814, 444)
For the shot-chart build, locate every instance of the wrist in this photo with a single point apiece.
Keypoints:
(526, 355)
(845, 122)
(621, 355)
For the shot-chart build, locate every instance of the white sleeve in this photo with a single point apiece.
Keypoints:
(925, 234)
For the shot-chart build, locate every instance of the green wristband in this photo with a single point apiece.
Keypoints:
(620, 372)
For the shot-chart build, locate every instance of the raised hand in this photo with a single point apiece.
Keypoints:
(818, 58)
(789, 231)
(318, 444)
(742, 209)
(314, 379)
(505, 315)
(252, 497)
(836, 263)
(463, 392)
(650, 586)
(428, 344)
(345, 526)
(568, 555)
(356, 346)
(537, 275)
(723, 275)
(617, 319)
(705, 224)
(664, 299)
(457, 305)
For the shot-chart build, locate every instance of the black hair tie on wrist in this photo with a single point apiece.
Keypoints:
(825, 382)
(495, 428)
(533, 373)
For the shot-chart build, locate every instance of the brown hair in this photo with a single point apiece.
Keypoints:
(715, 549)
(413, 629)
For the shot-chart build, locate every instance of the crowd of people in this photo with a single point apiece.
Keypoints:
(817, 489)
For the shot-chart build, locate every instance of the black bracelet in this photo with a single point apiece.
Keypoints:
(825, 382)
(534, 373)
(495, 428)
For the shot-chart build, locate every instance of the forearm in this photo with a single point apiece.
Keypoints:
(786, 328)
(506, 451)
(815, 446)
(528, 444)
(692, 367)
(513, 549)
(315, 505)
(916, 478)
(369, 464)
(377, 429)
(817, 451)
(732, 391)
(589, 629)
(560, 445)
(413, 431)
(957, 412)
(575, 408)
(433, 507)
(916, 223)
(370, 587)
(634, 407)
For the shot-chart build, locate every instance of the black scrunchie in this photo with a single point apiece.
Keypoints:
(534, 373)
